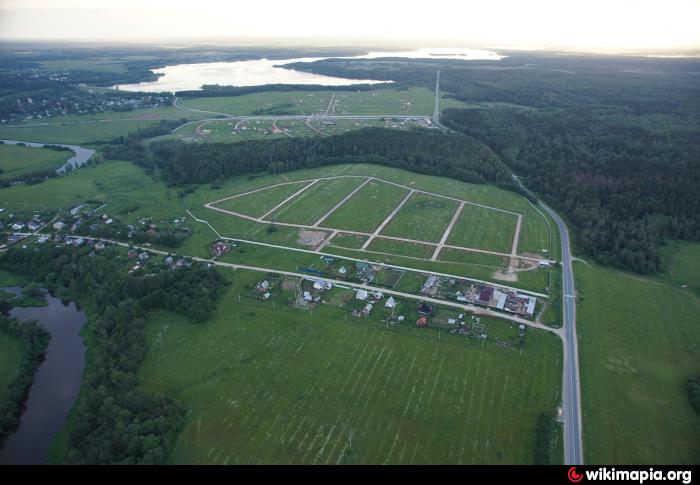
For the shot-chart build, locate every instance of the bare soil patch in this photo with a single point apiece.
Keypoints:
(311, 238)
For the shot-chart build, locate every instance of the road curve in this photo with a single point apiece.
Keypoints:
(571, 386)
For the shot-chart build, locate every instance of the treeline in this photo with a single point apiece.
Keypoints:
(626, 189)
(212, 90)
(693, 388)
(34, 339)
(545, 432)
(419, 151)
(115, 421)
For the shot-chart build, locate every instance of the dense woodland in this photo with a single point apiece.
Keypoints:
(115, 422)
(34, 339)
(613, 143)
(419, 151)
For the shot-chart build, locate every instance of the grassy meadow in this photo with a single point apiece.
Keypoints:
(639, 341)
(18, 161)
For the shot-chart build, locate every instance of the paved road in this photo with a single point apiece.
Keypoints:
(571, 388)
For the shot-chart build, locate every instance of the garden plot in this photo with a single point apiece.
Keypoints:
(368, 208)
(423, 217)
(259, 202)
(484, 228)
(309, 206)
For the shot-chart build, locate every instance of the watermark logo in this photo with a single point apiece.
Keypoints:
(574, 476)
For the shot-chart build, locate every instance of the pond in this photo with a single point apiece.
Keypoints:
(56, 383)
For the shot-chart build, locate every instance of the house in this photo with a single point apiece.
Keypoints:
(343, 270)
(109, 221)
(361, 295)
(263, 286)
(451, 321)
(33, 226)
(362, 265)
(132, 253)
(99, 245)
(17, 226)
(74, 211)
(307, 296)
(422, 322)
(367, 309)
(322, 285)
(378, 295)
(425, 309)
(543, 263)
(390, 303)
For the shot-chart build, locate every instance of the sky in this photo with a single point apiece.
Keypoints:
(591, 25)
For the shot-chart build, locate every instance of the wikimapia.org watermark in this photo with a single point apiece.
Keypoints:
(640, 476)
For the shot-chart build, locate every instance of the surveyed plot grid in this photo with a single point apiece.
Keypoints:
(325, 207)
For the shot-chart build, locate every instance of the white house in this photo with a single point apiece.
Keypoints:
(361, 295)
(390, 303)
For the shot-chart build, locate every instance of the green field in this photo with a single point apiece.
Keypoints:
(74, 133)
(401, 248)
(481, 228)
(459, 256)
(639, 343)
(259, 203)
(287, 386)
(18, 161)
(351, 241)
(317, 200)
(423, 218)
(266, 103)
(368, 208)
(682, 265)
(412, 101)
(10, 356)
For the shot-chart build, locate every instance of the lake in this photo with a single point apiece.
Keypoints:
(56, 383)
(183, 77)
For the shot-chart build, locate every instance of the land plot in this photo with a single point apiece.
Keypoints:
(259, 203)
(423, 217)
(368, 208)
(350, 241)
(309, 206)
(481, 228)
(401, 248)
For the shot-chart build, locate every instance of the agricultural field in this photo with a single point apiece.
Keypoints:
(368, 208)
(422, 218)
(261, 202)
(639, 343)
(482, 228)
(326, 388)
(10, 356)
(18, 161)
(317, 200)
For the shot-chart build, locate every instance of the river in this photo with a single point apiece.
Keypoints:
(182, 77)
(56, 383)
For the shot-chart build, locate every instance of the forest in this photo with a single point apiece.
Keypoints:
(115, 422)
(419, 151)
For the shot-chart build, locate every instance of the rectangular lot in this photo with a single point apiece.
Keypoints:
(368, 208)
(258, 203)
(267, 103)
(423, 218)
(309, 206)
(401, 248)
(481, 228)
